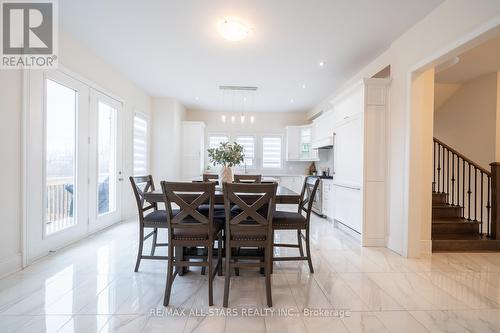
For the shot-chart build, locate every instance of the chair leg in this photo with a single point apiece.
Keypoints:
(170, 276)
(153, 244)
(268, 263)
(210, 279)
(308, 251)
(219, 256)
(237, 269)
(139, 250)
(299, 241)
(203, 268)
(228, 276)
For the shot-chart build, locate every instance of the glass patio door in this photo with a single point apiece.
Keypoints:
(106, 177)
(73, 156)
(56, 131)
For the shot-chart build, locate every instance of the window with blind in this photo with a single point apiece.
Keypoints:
(214, 140)
(271, 152)
(140, 144)
(248, 143)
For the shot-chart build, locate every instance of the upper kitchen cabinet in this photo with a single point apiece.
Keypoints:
(322, 136)
(299, 144)
(360, 159)
(192, 149)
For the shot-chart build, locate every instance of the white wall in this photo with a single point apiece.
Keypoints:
(10, 225)
(167, 114)
(467, 120)
(264, 123)
(79, 59)
(447, 24)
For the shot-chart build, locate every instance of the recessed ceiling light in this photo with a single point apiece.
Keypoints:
(321, 63)
(304, 86)
(292, 100)
(233, 29)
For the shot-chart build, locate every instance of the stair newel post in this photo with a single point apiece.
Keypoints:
(495, 200)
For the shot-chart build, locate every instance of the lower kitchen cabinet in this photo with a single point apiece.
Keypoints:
(328, 198)
(348, 204)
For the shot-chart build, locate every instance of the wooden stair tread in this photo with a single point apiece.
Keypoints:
(453, 220)
(459, 237)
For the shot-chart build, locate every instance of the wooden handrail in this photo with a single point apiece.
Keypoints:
(474, 164)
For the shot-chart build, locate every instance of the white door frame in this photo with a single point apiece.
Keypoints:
(97, 222)
(25, 137)
(413, 246)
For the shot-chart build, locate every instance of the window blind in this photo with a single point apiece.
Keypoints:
(271, 152)
(248, 143)
(140, 144)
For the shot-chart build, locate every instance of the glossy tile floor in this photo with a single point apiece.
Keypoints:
(91, 287)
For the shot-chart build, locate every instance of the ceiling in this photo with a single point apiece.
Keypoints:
(172, 48)
(473, 63)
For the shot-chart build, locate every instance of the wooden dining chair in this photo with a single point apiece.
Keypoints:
(283, 220)
(149, 217)
(211, 177)
(247, 178)
(189, 228)
(251, 229)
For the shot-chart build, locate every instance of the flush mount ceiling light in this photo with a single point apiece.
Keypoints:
(233, 29)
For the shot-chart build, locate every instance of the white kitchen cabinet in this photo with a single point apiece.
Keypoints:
(360, 159)
(299, 144)
(323, 128)
(328, 198)
(192, 149)
(349, 207)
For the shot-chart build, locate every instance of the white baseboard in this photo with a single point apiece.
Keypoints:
(425, 246)
(10, 265)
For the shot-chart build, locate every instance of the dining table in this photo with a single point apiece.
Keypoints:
(283, 196)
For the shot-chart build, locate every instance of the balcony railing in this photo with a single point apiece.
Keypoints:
(59, 204)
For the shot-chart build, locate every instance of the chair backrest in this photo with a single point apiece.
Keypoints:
(308, 194)
(141, 185)
(189, 196)
(247, 178)
(210, 177)
(257, 204)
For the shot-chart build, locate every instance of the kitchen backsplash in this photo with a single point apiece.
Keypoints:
(325, 160)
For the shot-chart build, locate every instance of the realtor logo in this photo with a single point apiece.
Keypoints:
(29, 34)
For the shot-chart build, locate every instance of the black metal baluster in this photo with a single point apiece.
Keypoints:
(458, 181)
(469, 192)
(434, 168)
(475, 194)
(448, 174)
(443, 169)
(488, 206)
(463, 188)
(481, 217)
(439, 165)
(453, 178)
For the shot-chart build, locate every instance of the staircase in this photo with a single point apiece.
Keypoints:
(452, 232)
(461, 203)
